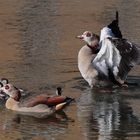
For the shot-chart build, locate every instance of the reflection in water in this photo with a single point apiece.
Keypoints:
(14, 124)
(107, 116)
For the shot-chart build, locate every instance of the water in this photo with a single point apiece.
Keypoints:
(39, 52)
(110, 116)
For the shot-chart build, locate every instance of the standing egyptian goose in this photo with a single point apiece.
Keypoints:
(110, 58)
(39, 107)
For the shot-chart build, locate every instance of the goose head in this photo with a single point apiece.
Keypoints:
(90, 38)
(10, 90)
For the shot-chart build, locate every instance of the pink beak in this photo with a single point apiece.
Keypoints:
(79, 37)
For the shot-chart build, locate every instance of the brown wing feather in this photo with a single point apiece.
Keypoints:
(130, 54)
(42, 99)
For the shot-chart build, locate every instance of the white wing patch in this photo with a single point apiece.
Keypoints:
(108, 56)
(106, 32)
(101, 66)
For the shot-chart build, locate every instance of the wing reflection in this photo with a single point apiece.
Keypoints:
(106, 116)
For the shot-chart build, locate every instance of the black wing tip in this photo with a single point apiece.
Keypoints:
(115, 22)
(68, 100)
(114, 26)
(117, 16)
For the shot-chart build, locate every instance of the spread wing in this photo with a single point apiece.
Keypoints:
(117, 56)
(130, 55)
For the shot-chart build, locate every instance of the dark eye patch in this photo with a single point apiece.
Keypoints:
(7, 87)
(88, 34)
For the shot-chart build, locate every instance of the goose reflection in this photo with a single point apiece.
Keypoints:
(26, 127)
(106, 116)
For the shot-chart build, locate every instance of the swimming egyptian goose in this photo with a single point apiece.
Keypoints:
(41, 106)
(113, 59)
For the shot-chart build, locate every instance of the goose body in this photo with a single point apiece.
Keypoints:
(12, 104)
(85, 66)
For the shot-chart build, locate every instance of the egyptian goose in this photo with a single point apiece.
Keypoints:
(41, 106)
(112, 58)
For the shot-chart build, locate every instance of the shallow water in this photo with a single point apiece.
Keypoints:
(39, 53)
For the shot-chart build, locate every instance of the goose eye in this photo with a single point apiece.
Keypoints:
(88, 34)
(7, 87)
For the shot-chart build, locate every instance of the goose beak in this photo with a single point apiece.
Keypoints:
(2, 96)
(80, 37)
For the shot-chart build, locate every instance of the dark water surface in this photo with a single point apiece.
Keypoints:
(38, 52)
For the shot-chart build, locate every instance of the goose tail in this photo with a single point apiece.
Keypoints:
(117, 17)
(61, 106)
(114, 26)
